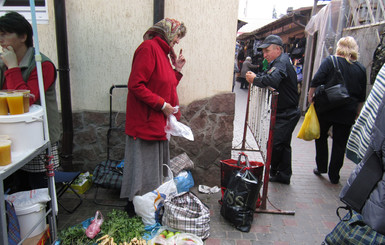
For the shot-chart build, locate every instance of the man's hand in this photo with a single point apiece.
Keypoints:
(180, 61)
(250, 77)
(9, 57)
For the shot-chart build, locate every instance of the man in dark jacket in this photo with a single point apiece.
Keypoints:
(282, 77)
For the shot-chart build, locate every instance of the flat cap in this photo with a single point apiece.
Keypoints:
(271, 39)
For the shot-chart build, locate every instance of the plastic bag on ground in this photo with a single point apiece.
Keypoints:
(149, 206)
(184, 181)
(178, 238)
(94, 228)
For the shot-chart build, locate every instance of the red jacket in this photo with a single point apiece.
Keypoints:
(152, 82)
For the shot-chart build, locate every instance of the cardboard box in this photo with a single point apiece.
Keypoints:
(82, 184)
(41, 239)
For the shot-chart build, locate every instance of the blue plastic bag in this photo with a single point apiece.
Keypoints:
(184, 181)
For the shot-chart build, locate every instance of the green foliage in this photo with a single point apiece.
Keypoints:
(117, 224)
(75, 235)
(121, 227)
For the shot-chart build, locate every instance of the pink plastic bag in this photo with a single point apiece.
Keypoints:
(94, 228)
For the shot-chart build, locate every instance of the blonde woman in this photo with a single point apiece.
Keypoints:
(341, 118)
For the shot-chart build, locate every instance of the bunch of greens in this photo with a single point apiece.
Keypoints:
(75, 235)
(117, 225)
(121, 227)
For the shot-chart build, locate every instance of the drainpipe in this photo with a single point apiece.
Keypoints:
(158, 10)
(65, 88)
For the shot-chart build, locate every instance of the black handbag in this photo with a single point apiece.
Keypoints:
(333, 94)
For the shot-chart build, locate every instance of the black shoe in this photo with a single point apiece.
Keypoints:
(334, 182)
(316, 172)
(130, 209)
(273, 173)
(280, 179)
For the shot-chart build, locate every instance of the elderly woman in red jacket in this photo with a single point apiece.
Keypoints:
(152, 97)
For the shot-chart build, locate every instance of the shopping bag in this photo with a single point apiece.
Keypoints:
(240, 198)
(107, 174)
(230, 166)
(184, 181)
(180, 163)
(310, 128)
(185, 212)
(94, 228)
(150, 206)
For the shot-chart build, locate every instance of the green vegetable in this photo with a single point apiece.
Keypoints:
(75, 235)
(121, 227)
(117, 225)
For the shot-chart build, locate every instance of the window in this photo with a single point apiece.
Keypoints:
(22, 7)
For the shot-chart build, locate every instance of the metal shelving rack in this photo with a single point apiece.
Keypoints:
(7, 171)
(28, 156)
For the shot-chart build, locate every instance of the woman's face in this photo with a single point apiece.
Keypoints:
(175, 41)
(12, 39)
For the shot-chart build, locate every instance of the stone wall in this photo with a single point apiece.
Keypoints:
(211, 121)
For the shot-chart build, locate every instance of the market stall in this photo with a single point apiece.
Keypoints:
(19, 156)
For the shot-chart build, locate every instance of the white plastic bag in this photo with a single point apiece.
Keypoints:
(149, 206)
(178, 238)
(29, 198)
(173, 127)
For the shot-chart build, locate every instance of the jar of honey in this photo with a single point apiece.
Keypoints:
(3, 104)
(5, 152)
(26, 96)
(15, 103)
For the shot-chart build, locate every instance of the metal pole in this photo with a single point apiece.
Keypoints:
(51, 180)
(243, 147)
(158, 10)
(64, 78)
(307, 64)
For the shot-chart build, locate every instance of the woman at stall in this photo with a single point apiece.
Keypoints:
(152, 97)
(18, 71)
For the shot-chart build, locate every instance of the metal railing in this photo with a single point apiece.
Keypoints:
(260, 120)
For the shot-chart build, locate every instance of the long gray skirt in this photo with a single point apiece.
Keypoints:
(143, 170)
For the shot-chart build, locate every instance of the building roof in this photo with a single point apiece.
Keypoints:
(291, 22)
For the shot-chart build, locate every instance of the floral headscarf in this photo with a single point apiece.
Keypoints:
(167, 28)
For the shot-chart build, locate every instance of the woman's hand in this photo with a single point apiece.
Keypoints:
(310, 95)
(180, 61)
(168, 110)
(9, 57)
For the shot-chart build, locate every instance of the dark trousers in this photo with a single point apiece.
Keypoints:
(281, 154)
(244, 83)
(340, 137)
